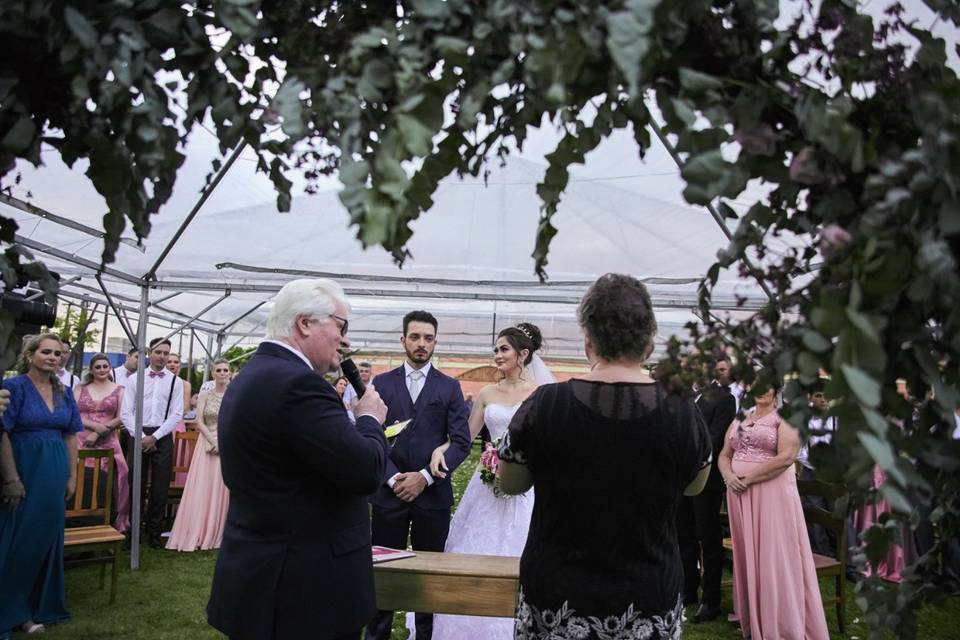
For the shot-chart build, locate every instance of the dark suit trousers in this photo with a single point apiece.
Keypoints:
(428, 530)
(157, 466)
(700, 538)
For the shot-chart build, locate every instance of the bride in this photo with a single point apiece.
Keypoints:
(485, 523)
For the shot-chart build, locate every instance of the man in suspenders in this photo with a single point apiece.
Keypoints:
(162, 410)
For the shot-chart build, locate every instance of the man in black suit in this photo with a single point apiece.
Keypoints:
(409, 500)
(699, 524)
(295, 561)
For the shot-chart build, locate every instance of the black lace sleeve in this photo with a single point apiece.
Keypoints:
(699, 450)
(694, 447)
(514, 447)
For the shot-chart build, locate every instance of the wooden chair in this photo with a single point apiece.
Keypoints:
(184, 443)
(102, 541)
(825, 565)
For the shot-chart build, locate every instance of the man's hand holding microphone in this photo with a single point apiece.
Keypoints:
(370, 404)
(368, 400)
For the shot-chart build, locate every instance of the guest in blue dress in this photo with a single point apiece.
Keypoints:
(41, 424)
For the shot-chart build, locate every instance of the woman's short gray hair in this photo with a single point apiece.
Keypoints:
(306, 297)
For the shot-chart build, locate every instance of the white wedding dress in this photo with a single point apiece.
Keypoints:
(487, 525)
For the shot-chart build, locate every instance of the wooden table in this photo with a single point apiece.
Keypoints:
(449, 583)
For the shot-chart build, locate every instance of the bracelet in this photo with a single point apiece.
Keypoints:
(11, 481)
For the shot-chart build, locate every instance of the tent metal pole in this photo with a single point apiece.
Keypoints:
(241, 317)
(193, 337)
(39, 294)
(34, 210)
(256, 329)
(209, 361)
(204, 347)
(103, 336)
(165, 298)
(219, 343)
(116, 311)
(203, 311)
(151, 274)
(137, 443)
(658, 131)
(72, 259)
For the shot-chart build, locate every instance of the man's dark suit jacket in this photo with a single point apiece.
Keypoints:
(719, 408)
(440, 413)
(295, 560)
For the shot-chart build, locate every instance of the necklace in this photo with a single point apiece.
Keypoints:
(511, 383)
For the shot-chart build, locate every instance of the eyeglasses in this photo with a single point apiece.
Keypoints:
(344, 326)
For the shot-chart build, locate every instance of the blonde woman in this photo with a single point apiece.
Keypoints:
(203, 509)
(40, 463)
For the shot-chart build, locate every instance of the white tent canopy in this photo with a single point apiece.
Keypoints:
(471, 253)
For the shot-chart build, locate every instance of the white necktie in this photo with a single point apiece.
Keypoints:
(415, 377)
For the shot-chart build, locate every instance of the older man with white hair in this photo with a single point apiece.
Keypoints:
(295, 560)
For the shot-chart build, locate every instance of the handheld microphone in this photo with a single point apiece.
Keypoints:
(352, 374)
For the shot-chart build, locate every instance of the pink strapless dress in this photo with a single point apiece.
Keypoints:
(892, 566)
(776, 595)
(103, 412)
(203, 508)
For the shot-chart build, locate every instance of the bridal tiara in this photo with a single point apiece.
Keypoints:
(524, 332)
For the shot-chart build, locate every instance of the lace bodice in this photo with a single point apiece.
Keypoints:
(497, 418)
(101, 411)
(756, 440)
(211, 410)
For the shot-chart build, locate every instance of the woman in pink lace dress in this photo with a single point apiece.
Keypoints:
(775, 588)
(203, 509)
(99, 401)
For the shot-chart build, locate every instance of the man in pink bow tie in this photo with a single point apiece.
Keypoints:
(162, 409)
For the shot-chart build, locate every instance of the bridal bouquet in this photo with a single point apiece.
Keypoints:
(489, 461)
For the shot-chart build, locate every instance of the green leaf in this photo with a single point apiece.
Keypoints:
(628, 39)
(377, 76)
(861, 322)
(417, 137)
(882, 453)
(81, 27)
(20, 136)
(816, 342)
(875, 420)
(431, 8)
(287, 103)
(709, 176)
(698, 82)
(898, 501)
(865, 388)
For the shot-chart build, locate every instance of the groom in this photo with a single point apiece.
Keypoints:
(410, 500)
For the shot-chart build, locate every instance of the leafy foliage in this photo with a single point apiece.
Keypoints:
(856, 138)
(77, 327)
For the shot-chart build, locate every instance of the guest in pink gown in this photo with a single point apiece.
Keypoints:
(173, 366)
(99, 400)
(776, 595)
(898, 555)
(203, 509)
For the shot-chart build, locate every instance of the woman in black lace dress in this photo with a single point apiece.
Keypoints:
(609, 455)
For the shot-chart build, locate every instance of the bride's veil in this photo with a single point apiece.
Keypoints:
(541, 373)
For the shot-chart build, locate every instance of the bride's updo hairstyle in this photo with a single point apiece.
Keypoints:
(617, 314)
(523, 336)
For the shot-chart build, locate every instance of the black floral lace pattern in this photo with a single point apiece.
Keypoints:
(544, 624)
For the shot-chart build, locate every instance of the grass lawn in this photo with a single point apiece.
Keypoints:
(166, 599)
